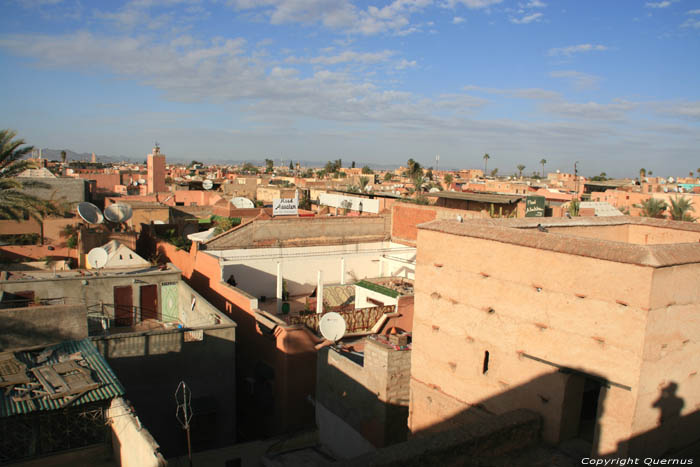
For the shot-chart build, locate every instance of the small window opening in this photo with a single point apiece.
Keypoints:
(121, 257)
(486, 363)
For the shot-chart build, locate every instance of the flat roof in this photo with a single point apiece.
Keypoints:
(497, 198)
(525, 232)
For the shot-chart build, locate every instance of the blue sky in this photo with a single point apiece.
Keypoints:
(614, 85)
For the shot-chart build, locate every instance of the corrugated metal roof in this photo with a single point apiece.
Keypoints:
(102, 373)
(479, 197)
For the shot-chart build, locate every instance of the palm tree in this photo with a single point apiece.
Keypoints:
(448, 178)
(486, 162)
(63, 156)
(680, 209)
(652, 207)
(543, 162)
(364, 181)
(642, 173)
(16, 203)
(521, 167)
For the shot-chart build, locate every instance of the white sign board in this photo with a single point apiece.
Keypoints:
(285, 206)
(352, 203)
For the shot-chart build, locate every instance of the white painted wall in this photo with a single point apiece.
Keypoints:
(362, 294)
(255, 269)
(352, 202)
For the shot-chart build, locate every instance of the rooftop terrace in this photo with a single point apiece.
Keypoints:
(635, 240)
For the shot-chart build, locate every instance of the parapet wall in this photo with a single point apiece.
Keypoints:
(460, 446)
(405, 218)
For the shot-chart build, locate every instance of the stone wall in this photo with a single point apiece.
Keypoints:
(477, 295)
(509, 432)
(370, 400)
(303, 231)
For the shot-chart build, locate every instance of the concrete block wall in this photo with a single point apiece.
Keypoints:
(42, 325)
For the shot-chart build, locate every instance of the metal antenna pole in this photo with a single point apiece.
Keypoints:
(186, 410)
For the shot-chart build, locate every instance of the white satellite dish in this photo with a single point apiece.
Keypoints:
(142, 181)
(332, 326)
(207, 184)
(97, 258)
(90, 213)
(118, 213)
(158, 222)
(242, 203)
(434, 190)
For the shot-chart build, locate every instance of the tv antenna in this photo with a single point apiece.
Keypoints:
(183, 412)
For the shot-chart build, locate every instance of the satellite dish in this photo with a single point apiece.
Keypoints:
(90, 213)
(434, 190)
(332, 326)
(118, 213)
(142, 181)
(242, 203)
(158, 222)
(207, 184)
(97, 258)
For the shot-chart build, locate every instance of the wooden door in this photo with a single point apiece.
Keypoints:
(149, 302)
(123, 306)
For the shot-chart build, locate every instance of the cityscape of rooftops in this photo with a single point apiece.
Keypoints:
(343, 232)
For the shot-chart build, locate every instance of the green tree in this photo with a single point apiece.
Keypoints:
(680, 209)
(574, 206)
(63, 156)
(16, 199)
(269, 165)
(367, 170)
(642, 173)
(486, 162)
(543, 161)
(521, 167)
(414, 169)
(429, 174)
(291, 166)
(652, 207)
(364, 181)
(352, 165)
(388, 176)
(494, 172)
(448, 178)
(650, 173)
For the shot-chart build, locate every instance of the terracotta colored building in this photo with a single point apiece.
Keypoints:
(590, 322)
(156, 171)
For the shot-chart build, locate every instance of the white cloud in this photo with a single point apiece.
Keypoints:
(689, 110)
(527, 18)
(573, 49)
(616, 110)
(458, 20)
(663, 4)
(693, 12)
(345, 57)
(403, 64)
(535, 4)
(472, 4)
(579, 80)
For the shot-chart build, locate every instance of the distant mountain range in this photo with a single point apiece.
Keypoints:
(55, 155)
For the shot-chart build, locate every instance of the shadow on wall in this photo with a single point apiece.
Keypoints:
(151, 366)
(573, 400)
(353, 419)
(275, 373)
(483, 434)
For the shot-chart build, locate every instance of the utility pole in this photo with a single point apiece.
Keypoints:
(183, 412)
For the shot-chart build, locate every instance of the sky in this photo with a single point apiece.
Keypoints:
(614, 85)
